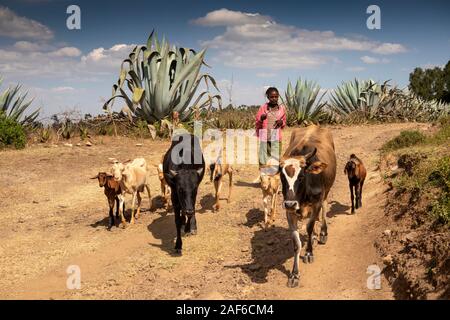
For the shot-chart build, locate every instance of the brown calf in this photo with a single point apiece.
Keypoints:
(270, 185)
(165, 189)
(112, 192)
(356, 173)
(217, 171)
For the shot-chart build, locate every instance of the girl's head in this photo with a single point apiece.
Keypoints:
(273, 95)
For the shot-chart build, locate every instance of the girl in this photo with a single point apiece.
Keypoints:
(270, 119)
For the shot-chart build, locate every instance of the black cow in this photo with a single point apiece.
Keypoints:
(184, 168)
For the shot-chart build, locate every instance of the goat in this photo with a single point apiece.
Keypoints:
(133, 177)
(356, 173)
(112, 193)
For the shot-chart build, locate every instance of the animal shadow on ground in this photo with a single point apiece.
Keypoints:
(206, 203)
(337, 208)
(163, 228)
(270, 250)
(101, 223)
(158, 203)
(241, 183)
(104, 221)
(254, 216)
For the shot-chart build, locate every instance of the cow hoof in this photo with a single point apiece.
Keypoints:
(193, 232)
(314, 241)
(308, 257)
(178, 251)
(323, 238)
(124, 225)
(293, 282)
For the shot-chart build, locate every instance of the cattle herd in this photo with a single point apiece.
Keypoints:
(304, 175)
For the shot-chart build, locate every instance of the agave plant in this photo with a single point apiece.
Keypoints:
(368, 100)
(162, 79)
(303, 100)
(364, 97)
(13, 106)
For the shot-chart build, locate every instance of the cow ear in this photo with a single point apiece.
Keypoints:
(173, 173)
(316, 167)
(200, 171)
(310, 155)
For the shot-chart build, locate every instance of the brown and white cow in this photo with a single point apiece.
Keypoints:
(308, 171)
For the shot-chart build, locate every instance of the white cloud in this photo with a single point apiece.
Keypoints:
(355, 69)
(266, 75)
(62, 89)
(14, 26)
(251, 40)
(373, 60)
(225, 17)
(107, 58)
(26, 46)
(33, 59)
(389, 48)
(66, 52)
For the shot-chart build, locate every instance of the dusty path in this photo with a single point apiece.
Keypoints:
(54, 216)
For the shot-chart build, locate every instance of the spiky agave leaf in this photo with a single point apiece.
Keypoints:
(14, 106)
(161, 79)
(303, 100)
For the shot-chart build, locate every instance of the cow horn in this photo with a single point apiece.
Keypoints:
(173, 173)
(200, 171)
(96, 177)
(311, 154)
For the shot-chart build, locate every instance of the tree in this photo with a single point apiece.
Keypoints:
(446, 97)
(431, 84)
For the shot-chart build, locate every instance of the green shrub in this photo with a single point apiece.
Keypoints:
(440, 176)
(140, 129)
(443, 135)
(406, 138)
(11, 133)
(441, 209)
(84, 132)
(45, 134)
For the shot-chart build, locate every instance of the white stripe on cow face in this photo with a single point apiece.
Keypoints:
(295, 163)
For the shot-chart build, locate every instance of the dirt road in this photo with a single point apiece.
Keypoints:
(54, 216)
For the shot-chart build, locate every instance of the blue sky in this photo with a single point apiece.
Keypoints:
(259, 43)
